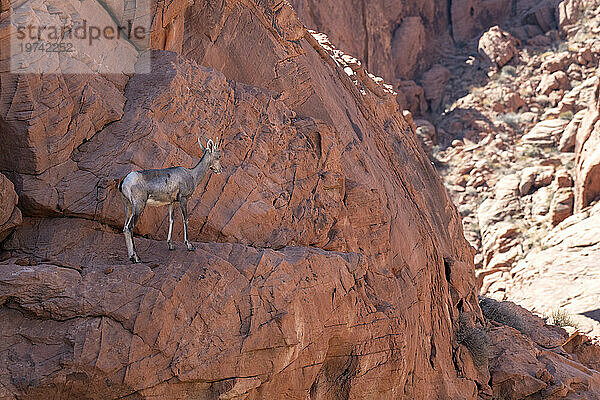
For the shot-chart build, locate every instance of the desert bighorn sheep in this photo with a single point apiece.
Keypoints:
(160, 187)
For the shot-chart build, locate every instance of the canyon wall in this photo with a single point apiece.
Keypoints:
(332, 260)
(403, 40)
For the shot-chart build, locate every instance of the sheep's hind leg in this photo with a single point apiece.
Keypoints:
(137, 211)
(169, 242)
(127, 229)
(183, 206)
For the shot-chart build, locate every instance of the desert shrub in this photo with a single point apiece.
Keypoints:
(570, 165)
(481, 199)
(500, 312)
(567, 115)
(509, 70)
(542, 100)
(475, 339)
(561, 318)
(472, 227)
(512, 119)
(531, 152)
(471, 191)
(465, 211)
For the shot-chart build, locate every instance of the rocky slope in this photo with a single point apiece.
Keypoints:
(523, 162)
(331, 263)
(403, 41)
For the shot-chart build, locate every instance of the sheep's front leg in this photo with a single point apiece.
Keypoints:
(183, 206)
(169, 242)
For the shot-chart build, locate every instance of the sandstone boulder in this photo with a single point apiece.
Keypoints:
(411, 97)
(563, 179)
(567, 12)
(426, 133)
(555, 81)
(567, 139)
(525, 363)
(434, 85)
(586, 349)
(557, 62)
(562, 205)
(546, 133)
(497, 46)
(523, 369)
(528, 176)
(515, 103)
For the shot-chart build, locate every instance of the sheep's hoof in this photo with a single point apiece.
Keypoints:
(135, 259)
(190, 247)
(171, 246)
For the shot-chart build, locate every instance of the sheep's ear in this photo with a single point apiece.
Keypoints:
(210, 145)
(217, 144)
(201, 145)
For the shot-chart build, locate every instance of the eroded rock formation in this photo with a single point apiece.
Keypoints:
(587, 148)
(331, 262)
(325, 188)
(10, 214)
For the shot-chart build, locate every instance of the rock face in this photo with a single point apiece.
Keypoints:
(395, 39)
(587, 148)
(470, 17)
(333, 262)
(372, 30)
(10, 215)
(228, 320)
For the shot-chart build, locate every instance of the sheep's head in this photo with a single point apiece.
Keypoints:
(212, 151)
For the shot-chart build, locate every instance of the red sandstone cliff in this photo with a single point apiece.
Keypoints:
(332, 264)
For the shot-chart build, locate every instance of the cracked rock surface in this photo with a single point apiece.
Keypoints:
(331, 261)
